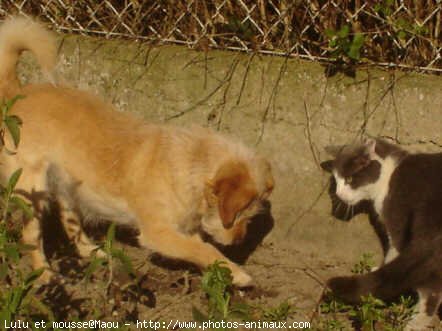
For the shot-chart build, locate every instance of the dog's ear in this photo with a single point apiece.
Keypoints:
(234, 190)
(327, 165)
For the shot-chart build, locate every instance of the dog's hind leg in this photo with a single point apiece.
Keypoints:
(70, 219)
(32, 186)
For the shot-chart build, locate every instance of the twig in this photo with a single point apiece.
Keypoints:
(309, 134)
(272, 99)
(245, 78)
(225, 80)
(309, 208)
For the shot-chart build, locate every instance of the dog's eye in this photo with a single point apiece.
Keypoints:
(348, 180)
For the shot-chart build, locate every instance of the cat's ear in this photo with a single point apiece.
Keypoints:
(334, 150)
(327, 165)
(370, 147)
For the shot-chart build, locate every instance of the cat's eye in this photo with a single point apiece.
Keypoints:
(348, 180)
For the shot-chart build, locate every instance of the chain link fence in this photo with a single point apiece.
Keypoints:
(392, 33)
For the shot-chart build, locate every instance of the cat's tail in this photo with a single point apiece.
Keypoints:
(16, 35)
(411, 269)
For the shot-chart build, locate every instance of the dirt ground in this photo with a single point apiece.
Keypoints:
(169, 289)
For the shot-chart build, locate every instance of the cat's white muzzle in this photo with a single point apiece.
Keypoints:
(346, 193)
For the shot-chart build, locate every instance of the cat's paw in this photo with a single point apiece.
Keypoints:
(422, 322)
(345, 288)
(241, 278)
(373, 269)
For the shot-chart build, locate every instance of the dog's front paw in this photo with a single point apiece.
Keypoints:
(241, 278)
(46, 277)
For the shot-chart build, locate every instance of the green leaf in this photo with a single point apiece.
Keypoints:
(22, 205)
(8, 104)
(32, 276)
(3, 238)
(343, 32)
(110, 236)
(402, 35)
(3, 270)
(5, 315)
(240, 310)
(330, 33)
(358, 40)
(12, 252)
(13, 124)
(354, 52)
(13, 180)
(93, 266)
(17, 297)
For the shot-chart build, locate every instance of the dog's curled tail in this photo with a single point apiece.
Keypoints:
(411, 269)
(16, 35)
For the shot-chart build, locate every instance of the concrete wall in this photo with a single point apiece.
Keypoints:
(286, 108)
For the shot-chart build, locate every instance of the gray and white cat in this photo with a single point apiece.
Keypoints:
(406, 192)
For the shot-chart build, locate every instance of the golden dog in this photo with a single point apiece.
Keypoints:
(171, 183)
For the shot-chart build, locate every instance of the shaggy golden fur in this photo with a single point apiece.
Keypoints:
(102, 164)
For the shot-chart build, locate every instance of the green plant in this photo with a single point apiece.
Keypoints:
(243, 29)
(384, 7)
(10, 123)
(330, 325)
(217, 285)
(343, 45)
(110, 255)
(399, 313)
(18, 298)
(365, 264)
(402, 27)
(279, 313)
(333, 306)
(21, 300)
(369, 312)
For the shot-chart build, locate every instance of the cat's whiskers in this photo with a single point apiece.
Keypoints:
(347, 212)
(337, 203)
